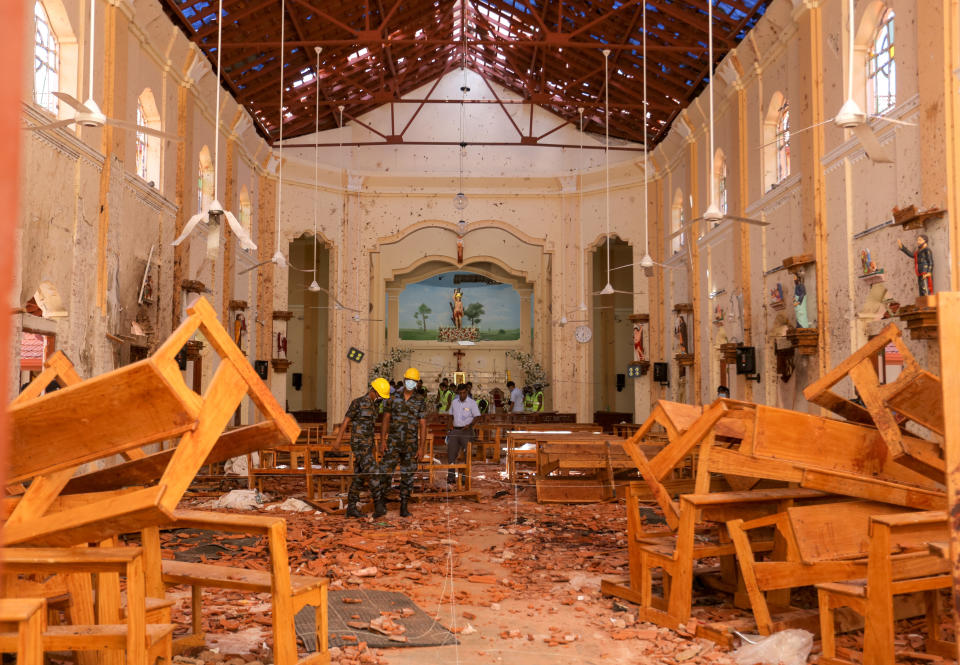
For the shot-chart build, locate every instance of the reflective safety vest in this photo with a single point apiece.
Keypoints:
(446, 396)
(538, 401)
(528, 403)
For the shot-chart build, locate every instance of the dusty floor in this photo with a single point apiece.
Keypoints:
(519, 582)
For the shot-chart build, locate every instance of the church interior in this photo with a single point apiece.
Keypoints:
(488, 330)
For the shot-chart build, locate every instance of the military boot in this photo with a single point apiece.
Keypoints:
(379, 507)
(353, 511)
(403, 507)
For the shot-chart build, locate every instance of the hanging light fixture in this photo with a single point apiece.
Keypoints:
(608, 289)
(314, 285)
(460, 201)
(647, 260)
(583, 260)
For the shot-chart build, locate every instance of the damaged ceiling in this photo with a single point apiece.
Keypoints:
(549, 52)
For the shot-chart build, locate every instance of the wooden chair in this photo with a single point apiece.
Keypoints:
(22, 622)
(676, 555)
(95, 626)
(117, 413)
(898, 564)
(815, 543)
(290, 593)
(915, 395)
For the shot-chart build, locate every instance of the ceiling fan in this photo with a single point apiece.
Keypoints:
(851, 116)
(713, 215)
(88, 113)
(214, 212)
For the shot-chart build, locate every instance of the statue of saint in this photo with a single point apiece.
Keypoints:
(239, 329)
(922, 264)
(638, 354)
(800, 301)
(680, 334)
(457, 308)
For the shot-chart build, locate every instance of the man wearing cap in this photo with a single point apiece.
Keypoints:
(465, 411)
(362, 414)
(402, 441)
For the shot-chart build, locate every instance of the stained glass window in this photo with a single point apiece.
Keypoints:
(882, 69)
(46, 61)
(783, 142)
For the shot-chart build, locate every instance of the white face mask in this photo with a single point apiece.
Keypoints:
(410, 384)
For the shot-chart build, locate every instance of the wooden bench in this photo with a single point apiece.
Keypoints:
(22, 622)
(676, 555)
(815, 543)
(95, 626)
(521, 445)
(914, 395)
(898, 563)
(596, 462)
(117, 413)
(290, 593)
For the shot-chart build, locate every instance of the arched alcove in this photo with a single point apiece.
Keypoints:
(612, 329)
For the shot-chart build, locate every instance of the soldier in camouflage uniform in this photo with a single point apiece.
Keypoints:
(404, 433)
(363, 413)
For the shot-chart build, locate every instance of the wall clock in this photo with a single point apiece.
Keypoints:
(583, 334)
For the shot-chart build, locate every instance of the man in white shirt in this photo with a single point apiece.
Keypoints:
(465, 412)
(516, 398)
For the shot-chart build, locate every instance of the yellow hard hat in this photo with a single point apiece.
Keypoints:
(382, 386)
(412, 373)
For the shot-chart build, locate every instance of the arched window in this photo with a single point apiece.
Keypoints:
(204, 179)
(676, 223)
(46, 61)
(720, 181)
(783, 142)
(245, 216)
(882, 68)
(148, 146)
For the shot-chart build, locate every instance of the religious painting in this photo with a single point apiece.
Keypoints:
(457, 306)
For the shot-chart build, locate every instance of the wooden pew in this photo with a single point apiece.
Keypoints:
(828, 542)
(118, 412)
(915, 395)
(676, 555)
(290, 593)
(94, 627)
(522, 445)
(22, 622)
(898, 564)
(596, 462)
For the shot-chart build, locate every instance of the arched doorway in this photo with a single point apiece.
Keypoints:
(308, 330)
(613, 391)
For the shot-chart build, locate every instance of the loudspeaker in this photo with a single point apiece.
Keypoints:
(621, 382)
(660, 373)
(746, 360)
(261, 366)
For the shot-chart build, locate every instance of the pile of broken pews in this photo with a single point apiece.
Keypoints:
(70, 580)
(850, 512)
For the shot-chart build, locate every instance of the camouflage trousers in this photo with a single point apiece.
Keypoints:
(364, 471)
(403, 456)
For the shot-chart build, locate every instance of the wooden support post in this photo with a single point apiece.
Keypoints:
(948, 311)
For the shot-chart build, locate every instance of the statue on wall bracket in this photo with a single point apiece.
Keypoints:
(680, 334)
(922, 264)
(800, 300)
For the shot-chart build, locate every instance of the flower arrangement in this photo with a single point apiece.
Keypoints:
(532, 370)
(386, 366)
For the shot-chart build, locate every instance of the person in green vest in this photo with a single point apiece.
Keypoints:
(528, 399)
(537, 398)
(444, 397)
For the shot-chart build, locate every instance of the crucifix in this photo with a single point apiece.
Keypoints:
(459, 354)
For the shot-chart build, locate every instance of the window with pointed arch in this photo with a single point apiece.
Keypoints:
(46, 61)
(204, 179)
(676, 223)
(783, 142)
(720, 182)
(882, 68)
(142, 146)
(245, 212)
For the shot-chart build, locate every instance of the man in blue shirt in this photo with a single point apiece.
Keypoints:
(465, 412)
(516, 398)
